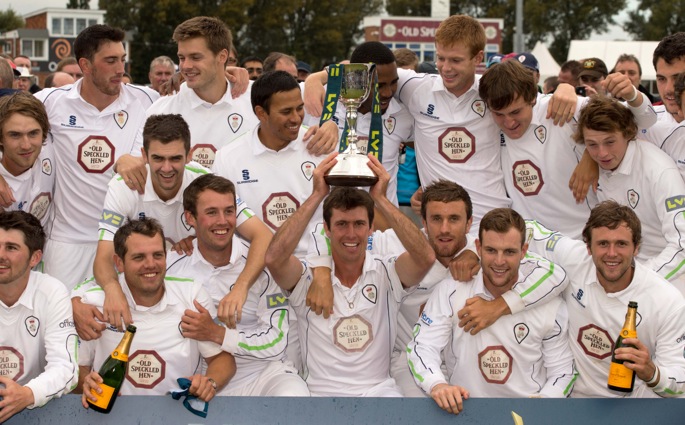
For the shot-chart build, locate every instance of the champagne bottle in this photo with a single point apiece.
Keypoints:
(113, 373)
(620, 377)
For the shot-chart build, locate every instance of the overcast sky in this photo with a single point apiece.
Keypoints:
(27, 6)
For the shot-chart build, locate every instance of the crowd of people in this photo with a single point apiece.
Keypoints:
(197, 209)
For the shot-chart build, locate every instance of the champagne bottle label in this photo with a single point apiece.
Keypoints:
(104, 398)
(620, 376)
(119, 356)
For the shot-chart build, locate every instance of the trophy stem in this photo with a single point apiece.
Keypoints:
(351, 118)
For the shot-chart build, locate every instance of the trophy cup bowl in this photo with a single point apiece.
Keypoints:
(352, 168)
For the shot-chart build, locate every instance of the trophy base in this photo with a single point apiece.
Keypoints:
(352, 181)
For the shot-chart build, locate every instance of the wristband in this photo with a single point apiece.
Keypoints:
(635, 95)
(655, 379)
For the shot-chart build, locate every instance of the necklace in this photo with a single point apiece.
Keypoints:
(350, 304)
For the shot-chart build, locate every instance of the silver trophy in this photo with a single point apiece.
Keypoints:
(352, 168)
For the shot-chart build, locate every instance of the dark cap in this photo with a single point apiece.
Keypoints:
(304, 66)
(427, 67)
(528, 60)
(593, 67)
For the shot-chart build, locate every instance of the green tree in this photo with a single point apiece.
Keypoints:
(653, 20)
(78, 4)
(553, 21)
(9, 20)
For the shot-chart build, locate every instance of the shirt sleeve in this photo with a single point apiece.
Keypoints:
(136, 149)
(431, 335)
(242, 211)
(119, 204)
(542, 281)
(207, 348)
(268, 339)
(557, 357)
(669, 355)
(669, 191)
(61, 346)
(645, 115)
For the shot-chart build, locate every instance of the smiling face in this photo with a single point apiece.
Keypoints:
(22, 140)
(349, 232)
(457, 66)
(280, 125)
(387, 86)
(613, 251)
(514, 119)
(215, 221)
(446, 226)
(15, 260)
(666, 74)
(144, 267)
(500, 256)
(606, 148)
(201, 68)
(167, 163)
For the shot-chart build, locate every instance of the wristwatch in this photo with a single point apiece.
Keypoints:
(211, 381)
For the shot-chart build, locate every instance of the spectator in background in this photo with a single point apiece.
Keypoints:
(58, 79)
(569, 72)
(7, 75)
(406, 59)
(25, 79)
(254, 66)
(232, 57)
(126, 78)
(303, 71)
(70, 66)
(161, 70)
(277, 61)
(591, 75)
(550, 85)
(24, 61)
(630, 66)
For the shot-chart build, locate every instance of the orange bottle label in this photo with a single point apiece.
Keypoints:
(104, 398)
(120, 356)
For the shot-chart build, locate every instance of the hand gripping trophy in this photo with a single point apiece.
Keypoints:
(355, 86)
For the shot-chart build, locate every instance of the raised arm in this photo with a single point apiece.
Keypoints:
(285, 267)
(412, 265)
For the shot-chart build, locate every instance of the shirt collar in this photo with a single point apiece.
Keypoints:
(26, 298)
(196, 102)
(151, 195)
(237, 251)
(258, 147)
(160, 306)
(626, 165)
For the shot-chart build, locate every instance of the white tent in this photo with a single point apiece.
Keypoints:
(548, 66)
(609, 51)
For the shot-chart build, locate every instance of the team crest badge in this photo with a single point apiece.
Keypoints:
(47, 166)
(235, 121)
(478, 107)
(521, 331)
(369, 293)
(633, 198)
(307, 168)
(541, 133)
(32, 325)
(389, 124)
(121, 118)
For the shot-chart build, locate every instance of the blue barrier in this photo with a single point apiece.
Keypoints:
(150, 410)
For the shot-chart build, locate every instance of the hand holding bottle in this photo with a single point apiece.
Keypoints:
(637, 359)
